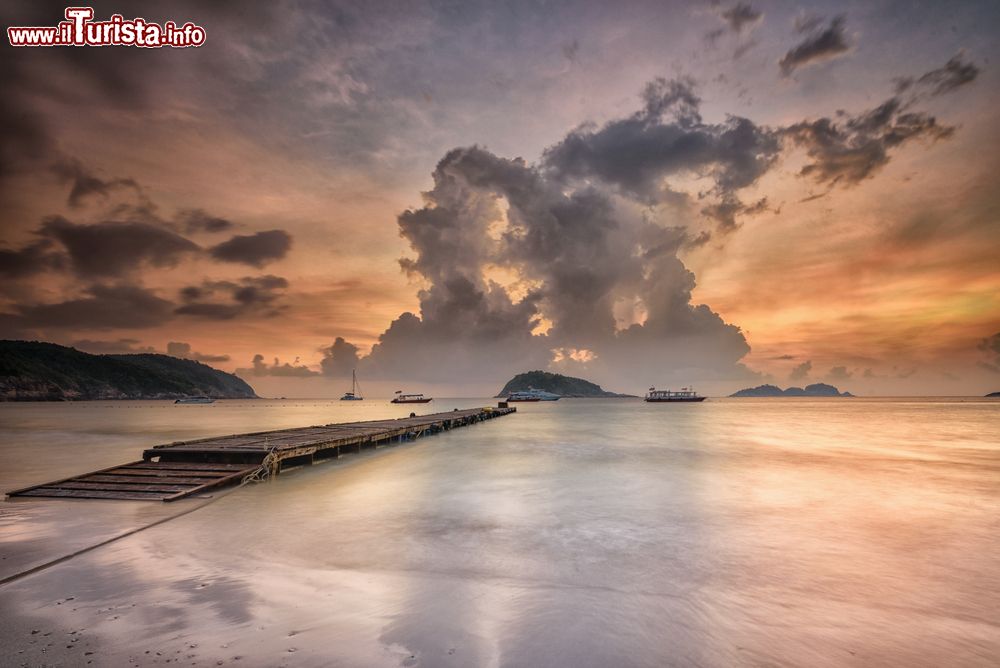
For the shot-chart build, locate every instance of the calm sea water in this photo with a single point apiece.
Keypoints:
(772, 532)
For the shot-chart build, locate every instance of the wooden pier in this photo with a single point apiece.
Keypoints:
(185, 468)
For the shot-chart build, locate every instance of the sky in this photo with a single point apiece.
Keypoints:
(443, 194)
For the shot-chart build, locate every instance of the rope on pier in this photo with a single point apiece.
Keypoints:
(268, 468)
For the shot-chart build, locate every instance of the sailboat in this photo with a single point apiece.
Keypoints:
(354, 394)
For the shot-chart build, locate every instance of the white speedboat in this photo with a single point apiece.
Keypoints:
(195, 400)
(533, 395)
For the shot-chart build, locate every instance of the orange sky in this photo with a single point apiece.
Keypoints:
(327, 126)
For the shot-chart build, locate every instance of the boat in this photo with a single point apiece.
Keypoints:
(684, 394)
(353, 395)
(401, 398)
(195, 400)
(532, 394)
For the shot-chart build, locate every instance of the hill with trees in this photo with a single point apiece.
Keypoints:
(814, 390)
(565, 386)
(36, 371)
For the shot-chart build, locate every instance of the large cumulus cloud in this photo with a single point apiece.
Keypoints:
(568, 257)
(573, 263)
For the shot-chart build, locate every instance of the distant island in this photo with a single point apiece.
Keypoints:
(565, 386)
(36, 371)
(814, 390)
(993, 394)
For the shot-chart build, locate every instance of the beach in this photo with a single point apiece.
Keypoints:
(821, 532)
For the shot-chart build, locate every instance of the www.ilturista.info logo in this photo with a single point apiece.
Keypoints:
(80, 30)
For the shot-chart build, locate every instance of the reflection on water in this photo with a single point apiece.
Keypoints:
(576, 533)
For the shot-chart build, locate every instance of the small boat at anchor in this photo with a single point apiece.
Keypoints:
(195, 400)
(685, 394)
(402, 398)
(354, 394)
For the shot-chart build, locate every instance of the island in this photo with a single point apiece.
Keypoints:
(814, 390)
(994, 395)
(37, 371)
(564, 386)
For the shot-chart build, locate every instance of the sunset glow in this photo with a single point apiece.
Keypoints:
(445, 196)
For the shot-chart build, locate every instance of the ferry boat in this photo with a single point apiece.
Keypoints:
(401, 398)
(684, 394)
(533, 395)
(195, 400)
(353, 395)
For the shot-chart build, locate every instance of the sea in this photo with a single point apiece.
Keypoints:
(577, 533)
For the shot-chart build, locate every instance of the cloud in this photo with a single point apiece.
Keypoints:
(118, 347)
(262, 368)
(740, 16)
(113, 248)
(725, 210)
(183, 351)
(839, 373)
(954, 74)
(340, 358)
(35, 258)
(990, 347)
(225, 300)
(567, 263)
(571, 50)
(667, 139)
(801, 372)
(256, 250)
(99, 307)
(85, 183)
(820, 45)
(849, 151)
(570, 255)
(110, 249)
(197, 220)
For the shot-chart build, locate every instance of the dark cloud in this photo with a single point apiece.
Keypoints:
(197, 220)
(35, 258)
(839, 373)
(851, 150)
(254, 249)
(99, 307)
(801, 371)
(85, 184)
(340, 358)
(578, 236)
(184, 351)
(225, 300)
(571, 50)
(820, 45)
(954, 74)
(724, 211)
(262, 368)
(805, 22)
(667, 138)
(576, 253)
(740, 16)
(118, 347)
(990, 347)
(110, 249)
